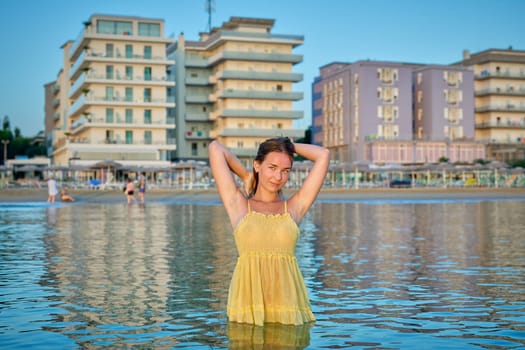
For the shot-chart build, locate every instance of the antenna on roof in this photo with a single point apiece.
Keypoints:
(210, 7)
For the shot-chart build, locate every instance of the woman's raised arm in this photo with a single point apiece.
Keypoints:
(224, 164)
(303, 199)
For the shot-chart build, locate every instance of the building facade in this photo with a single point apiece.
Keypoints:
(235, 85)
(499, 87)
(394, 113)
(110, 100)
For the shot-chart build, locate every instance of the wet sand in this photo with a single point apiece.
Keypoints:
(327, 194)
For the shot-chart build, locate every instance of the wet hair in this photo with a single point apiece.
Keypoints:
(276, 144)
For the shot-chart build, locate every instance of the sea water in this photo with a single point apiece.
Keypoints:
(413, 274)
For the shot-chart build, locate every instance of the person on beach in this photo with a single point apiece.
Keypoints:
(267, 285)
(64, 195)
(52, 190)
(142, 187)
(130, 191)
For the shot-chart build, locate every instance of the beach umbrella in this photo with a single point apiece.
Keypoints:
(108, 165)
(27, 168)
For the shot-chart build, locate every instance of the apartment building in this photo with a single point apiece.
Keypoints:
(499, 88)
(317, 111)
(235, 84)
(444, 114)
(110, 101)
(387, 113)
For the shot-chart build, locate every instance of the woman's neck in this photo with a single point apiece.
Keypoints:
(266, 197)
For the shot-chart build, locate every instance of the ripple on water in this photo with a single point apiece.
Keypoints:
(380, 275)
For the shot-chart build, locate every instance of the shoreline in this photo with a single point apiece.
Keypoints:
(326, 194)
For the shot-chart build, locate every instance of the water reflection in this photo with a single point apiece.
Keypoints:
(439, 268)
(271, 336)
(157, 276)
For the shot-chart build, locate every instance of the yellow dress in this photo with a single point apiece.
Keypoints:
(267, 285)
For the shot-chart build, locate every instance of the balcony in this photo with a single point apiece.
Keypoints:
(90, 121)
(251, 132)
(500, 108)
(197, 99)
(85, 101)
(196, 117)
(501, 92)
(257, 113)
(196, 61)
(89, 33)
(261, 95)
(87, 78)
(254, 56)
(265, 76)
(502, 75)
(88, 56)
(501, 125)
(198, 81)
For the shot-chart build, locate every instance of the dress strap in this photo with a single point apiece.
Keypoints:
(285, 207)
(249, 207)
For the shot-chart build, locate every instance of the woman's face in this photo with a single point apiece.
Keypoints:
(273, 171)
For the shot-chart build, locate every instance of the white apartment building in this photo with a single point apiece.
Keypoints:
(499, 88)
(235, 84)
(110, 101)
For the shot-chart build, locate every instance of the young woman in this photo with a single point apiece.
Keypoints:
(267, 285)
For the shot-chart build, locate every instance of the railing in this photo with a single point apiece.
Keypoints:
(168, 122)
(508, 124)
(502, 108)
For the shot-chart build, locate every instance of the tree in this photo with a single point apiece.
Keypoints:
(18, 144)
(6, 126)
(517, 163)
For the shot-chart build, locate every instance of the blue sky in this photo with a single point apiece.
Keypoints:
(418, 31)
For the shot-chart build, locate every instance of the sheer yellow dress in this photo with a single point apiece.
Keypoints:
(267, 285)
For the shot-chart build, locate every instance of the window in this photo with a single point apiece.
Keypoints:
(109, 72)
(129, 137)
(129, 116)
(109, 115)
(149, 29)
(147, 116)
(109, 50)
(110, 136)
(386, 75)
(194, 149)
(114, 27)
(109, 93)
(129, 51)
(147, 73)
(147, 137)
(129, 72)
(147, 52)
(147, 95)
(129, 94)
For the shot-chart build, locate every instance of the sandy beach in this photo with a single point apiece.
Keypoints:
(327, 194)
